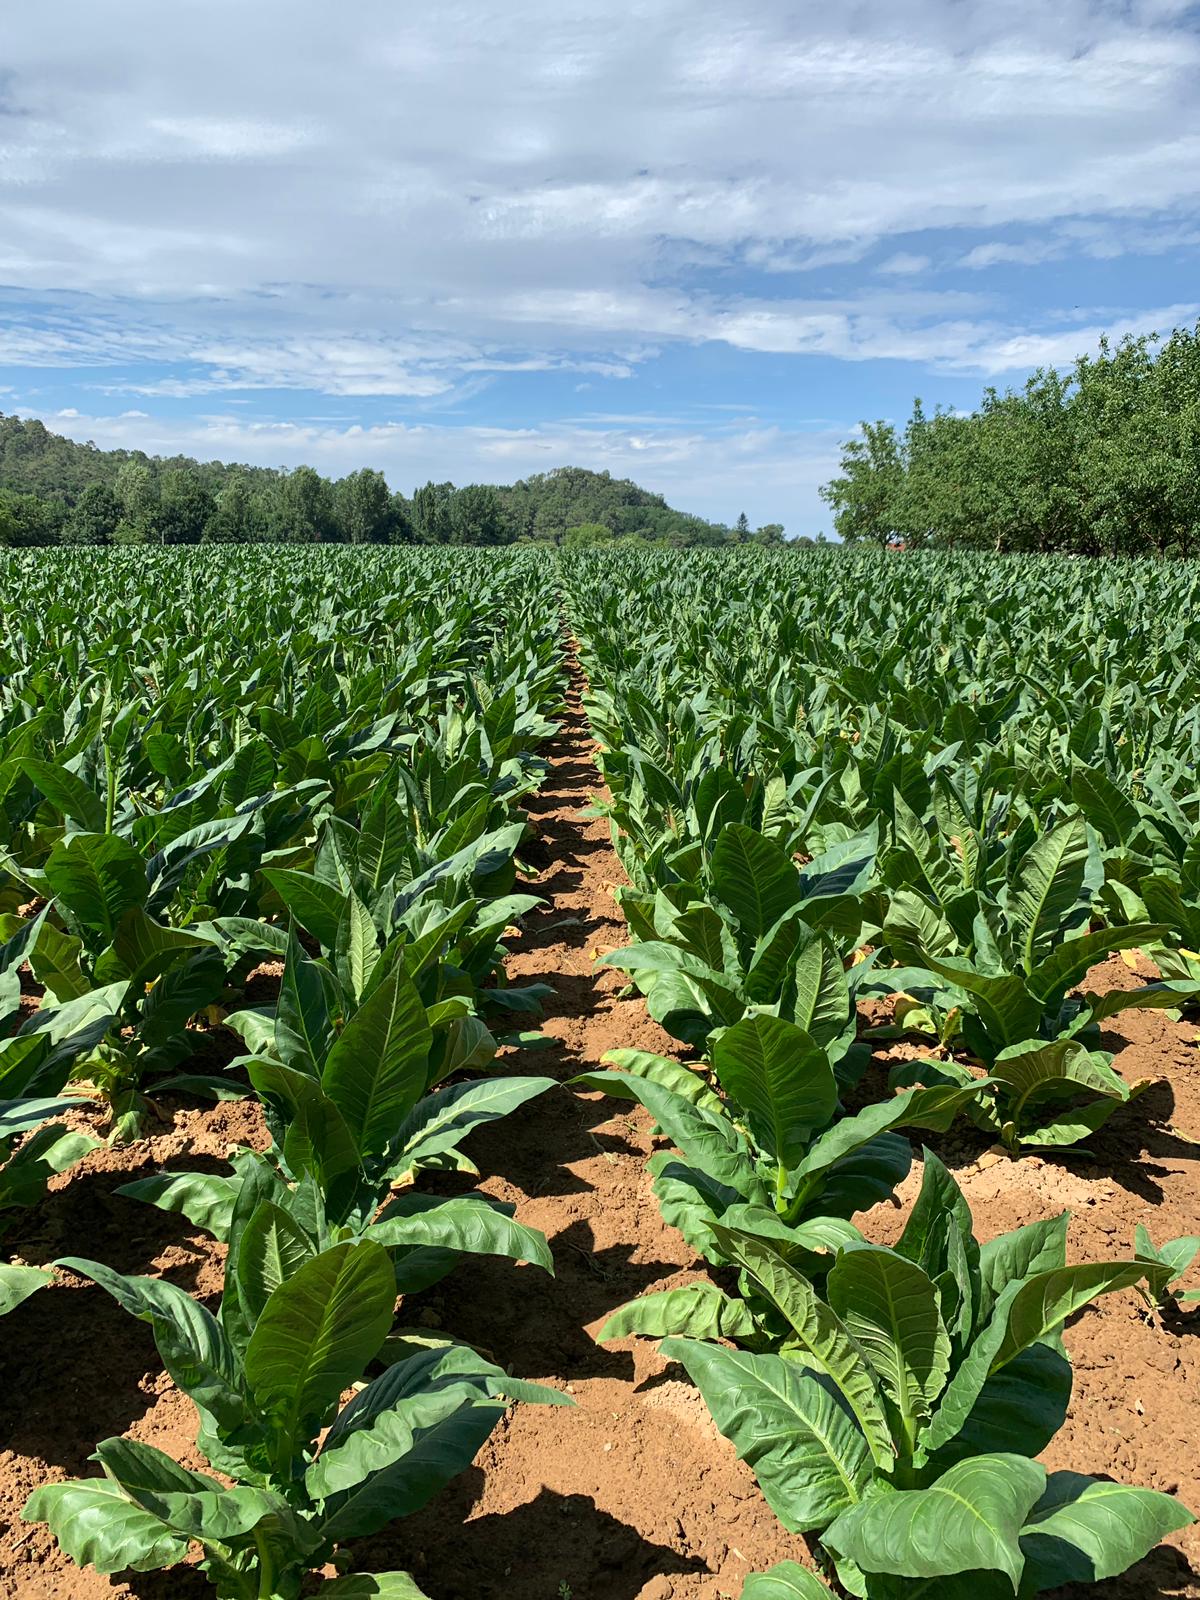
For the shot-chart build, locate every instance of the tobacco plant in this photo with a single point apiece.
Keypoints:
(297, 1327)
(900, 1420)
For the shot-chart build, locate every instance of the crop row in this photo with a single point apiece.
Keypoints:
(324, 766)
(943, 789)
(958, 788)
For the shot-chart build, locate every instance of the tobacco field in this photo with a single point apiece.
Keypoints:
(600, 1075)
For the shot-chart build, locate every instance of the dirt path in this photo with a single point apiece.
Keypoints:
(633, 1493)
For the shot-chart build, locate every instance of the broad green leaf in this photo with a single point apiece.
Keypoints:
(192, 1343)
(441, 1121)
(1047, 1299)
(788, 1580)
(1048, 884)
(890, 1307)
(781, 1079)
(97, 1525)
(272, 1248)
(18, 1283)
(315, 1335)
(470, 1223)
(824, 1339)
(708, 1140)
(810, 1460)
(696, 1311)
(204, 1198)
(97, 877)
(66, 793)
(970, 1519)
(753, 877)
(1083, 1530)
(376, 1071)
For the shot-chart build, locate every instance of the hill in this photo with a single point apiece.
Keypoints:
(55, 491)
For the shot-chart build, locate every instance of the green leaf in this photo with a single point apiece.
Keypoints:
(315, 1335)
(189, 1502)
(316, 905)
(204, 1198)
(373, 1586)
(809, 1458)
(707, 1139)
(685, 1081)
(304, 1029)
(1048, 883)
(822, 994)
(781, 1079)
(470, 1223)
(1083, 1530)
(823, 1338)
(1045, 1301)
(272, 1248)
(969, 1520)
(97, 877)
(788, 1580)
(192, 1343)
(891, 1308)
(442, 1120)
(18, 1283)
(376, 1071)
(98, 1525)
(754, 878)
(1107, 808)
(49, 1151)
(66, 793)
(1006, 1008)
(696, 1311)
(1068, 963)
(1035, 1247)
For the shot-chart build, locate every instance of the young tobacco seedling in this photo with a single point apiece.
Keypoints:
(1166, 1265)
(355, 1111)
(294, 1331)
(901, 1418)
(772, 1157)
(748, 938)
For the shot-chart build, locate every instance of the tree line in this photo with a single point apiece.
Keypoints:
(54, 491)
(1103, 459)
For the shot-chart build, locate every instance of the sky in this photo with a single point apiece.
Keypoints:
(690, 243)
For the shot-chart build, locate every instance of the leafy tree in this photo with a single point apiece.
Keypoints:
(238, 515)
(25, 520)
(476, 516)
(364, 509)
(93, 518)
(303, 510)
(184, 509)
(431, 513)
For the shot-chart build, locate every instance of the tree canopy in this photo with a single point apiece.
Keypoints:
(54, 491)
(1101, 460)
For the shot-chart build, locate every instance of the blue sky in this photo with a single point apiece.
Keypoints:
(691, 243)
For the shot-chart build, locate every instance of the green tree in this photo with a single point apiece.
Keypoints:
(184, 507)
(93, 518)
(476, 517)
(237, 516)
(431, 513)
(363, 507)
(303, 509)
(864, 498)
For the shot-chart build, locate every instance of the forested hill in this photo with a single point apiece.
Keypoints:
(54, 491)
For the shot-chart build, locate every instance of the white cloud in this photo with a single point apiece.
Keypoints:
(408, 205)
(904, 264)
